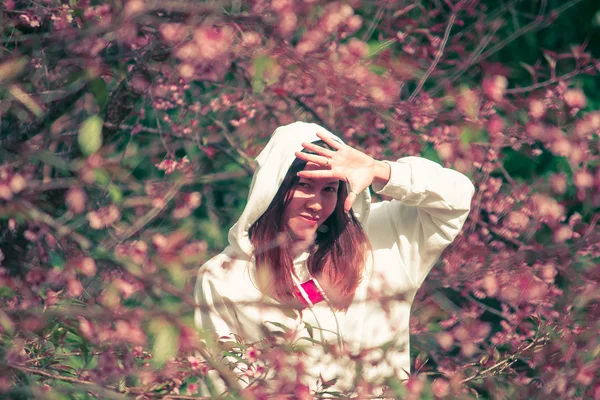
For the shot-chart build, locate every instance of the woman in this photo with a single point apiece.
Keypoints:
(310, 238)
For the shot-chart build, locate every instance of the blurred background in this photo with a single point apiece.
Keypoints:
(127, 137)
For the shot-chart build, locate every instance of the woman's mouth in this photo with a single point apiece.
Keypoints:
(309, 220)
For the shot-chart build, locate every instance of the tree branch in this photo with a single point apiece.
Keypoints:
(114, 391)
(539, 22)
(29, 210)
(10, 140)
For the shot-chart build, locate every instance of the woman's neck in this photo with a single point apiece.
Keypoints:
(299, 246)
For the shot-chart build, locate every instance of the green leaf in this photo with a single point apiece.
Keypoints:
(430, 153)
(397, 386)
(52, 159)
(279, 325)
(116, 195)
(166, 341)
(90, 135)
(102, 177)
(56, 260)
(309, 329)
(99, 91)
(376, 47)
(12, 68)
(596, 20)
(6, 323)
(470, 135)
(5, 291)
(261, 64)
(377, 69)
(75, 362)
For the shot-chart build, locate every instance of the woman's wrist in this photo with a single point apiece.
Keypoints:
(381, 173)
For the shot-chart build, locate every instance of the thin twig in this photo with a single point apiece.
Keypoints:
(114, 391)
(149, 216)
(36, 214)
(548, 82)
(373, 25)
(486, 308)
(438, 56)
(316, 115)
(248, 163)
(538, 22)
(506, 174)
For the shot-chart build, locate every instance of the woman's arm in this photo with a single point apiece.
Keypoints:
(430, 205)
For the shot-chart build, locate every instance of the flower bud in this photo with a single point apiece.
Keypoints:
(87, 266)
(17, 183)
(75, 200)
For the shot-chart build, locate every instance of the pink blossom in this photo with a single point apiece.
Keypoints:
(104, 217)
(537, 109)
(170, 165)
(87, 266)
(558, 182)
(194, 362)
(173, 32)
(583, 179)
(251, 354)
(74, 287)
(494, 87)
(490, 285)
(575, 98)
(75, 200)
(445, 340)
(440, 387)
(192, 388)
(547, 208)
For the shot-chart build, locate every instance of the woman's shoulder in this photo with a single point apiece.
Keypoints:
(222, 263)
(227, 271)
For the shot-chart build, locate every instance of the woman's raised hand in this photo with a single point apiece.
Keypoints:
(344, 163)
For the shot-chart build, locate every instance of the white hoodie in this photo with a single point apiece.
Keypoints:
(408, 234)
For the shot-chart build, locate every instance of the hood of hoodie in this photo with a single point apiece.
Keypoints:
(272, 165)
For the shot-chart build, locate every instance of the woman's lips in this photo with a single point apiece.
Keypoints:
(309, 220)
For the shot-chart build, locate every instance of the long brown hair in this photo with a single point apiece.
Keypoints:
(340, 249)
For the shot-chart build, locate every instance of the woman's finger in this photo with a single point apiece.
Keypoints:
(350, 199)
(317, 174)
(318, 149)
(330, 141)
(322, 161)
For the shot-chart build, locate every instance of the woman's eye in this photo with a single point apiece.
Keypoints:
(303, 185)
(331, 189)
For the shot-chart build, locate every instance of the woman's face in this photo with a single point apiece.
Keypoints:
(312, 202)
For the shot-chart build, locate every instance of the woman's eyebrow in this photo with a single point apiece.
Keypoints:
(335, 182)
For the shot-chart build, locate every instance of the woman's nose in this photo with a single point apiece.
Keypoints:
(314, 203)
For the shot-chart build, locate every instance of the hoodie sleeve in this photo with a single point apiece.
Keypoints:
(429, 207)
(213, 312)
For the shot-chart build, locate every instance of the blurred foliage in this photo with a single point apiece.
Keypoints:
(127, 134)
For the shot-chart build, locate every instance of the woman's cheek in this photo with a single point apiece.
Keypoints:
(331, 203)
